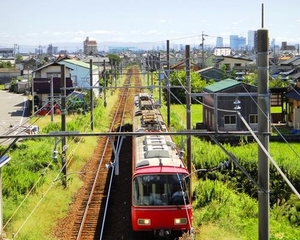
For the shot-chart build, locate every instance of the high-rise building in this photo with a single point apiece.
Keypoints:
(90, 47)
(219, 42)
(234, 39)
(251, 39)
(237, 43)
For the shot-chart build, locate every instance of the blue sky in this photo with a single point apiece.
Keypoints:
(36, 22)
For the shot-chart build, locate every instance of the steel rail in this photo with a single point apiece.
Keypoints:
(116, 160)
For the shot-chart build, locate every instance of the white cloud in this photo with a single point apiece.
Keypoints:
(162, 20)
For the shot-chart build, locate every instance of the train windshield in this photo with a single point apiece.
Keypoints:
(168, 189)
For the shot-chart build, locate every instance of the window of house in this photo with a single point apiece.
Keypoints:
(253, 118)
(53, 74)
(230, 119)
(276, 99)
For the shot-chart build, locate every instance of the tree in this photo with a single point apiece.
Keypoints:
(19, 58)
(114, 59)
(178, 79)
(6, 64)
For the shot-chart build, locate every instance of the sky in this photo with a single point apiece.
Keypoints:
(40, 23)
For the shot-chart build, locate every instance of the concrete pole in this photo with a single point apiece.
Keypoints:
(168, 95)
(63, 125)
(188, 112)
(159, 80)
(104, 92)
(91, 93)
(52, 104)
(263, 132)
(32, 101)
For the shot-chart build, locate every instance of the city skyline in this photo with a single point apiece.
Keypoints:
(182, 22)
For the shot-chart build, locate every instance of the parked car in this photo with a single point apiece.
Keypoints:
(46, 110)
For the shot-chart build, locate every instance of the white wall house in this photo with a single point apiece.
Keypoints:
(80, 74)
(222, 51)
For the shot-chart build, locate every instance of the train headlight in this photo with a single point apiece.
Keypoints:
(180, 221)
(144, 221)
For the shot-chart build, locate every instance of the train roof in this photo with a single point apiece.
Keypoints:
(152, 150)
(160, 170)
(156, 150)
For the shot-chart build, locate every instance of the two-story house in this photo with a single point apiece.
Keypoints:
(231, 63)
(80, 74)
(47, 83)
(218, 106)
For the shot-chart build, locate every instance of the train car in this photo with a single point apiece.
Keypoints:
(160, 180)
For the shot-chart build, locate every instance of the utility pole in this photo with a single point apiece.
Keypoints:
(52, 102)
(91, 95)
(168, 84)
(32, 94)
(104, 92)
(188, 112)
(63, 125)
(159, 80)
(263, 132)
(202, 45)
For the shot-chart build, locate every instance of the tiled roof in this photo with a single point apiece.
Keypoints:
(78, 63)
(293, 94)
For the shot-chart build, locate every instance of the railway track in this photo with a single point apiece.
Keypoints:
(95, 208)
(94, 213)
(102, 210)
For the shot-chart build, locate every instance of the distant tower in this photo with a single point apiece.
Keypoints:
(219, 42)
(273, 45)
(50, 49)
(90, 47)
(234, 42)
(251, 39)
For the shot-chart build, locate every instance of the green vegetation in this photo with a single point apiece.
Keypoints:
(225, 206)
(34, 198)
(6, 64)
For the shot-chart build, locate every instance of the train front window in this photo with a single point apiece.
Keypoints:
(168, 189)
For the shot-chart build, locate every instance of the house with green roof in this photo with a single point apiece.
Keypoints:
(80, 74)
(220, 100)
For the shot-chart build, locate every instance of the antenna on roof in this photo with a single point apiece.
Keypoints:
(262, 15)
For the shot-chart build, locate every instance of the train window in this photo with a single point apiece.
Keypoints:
(153, 190)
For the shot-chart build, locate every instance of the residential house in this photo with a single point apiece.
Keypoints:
(232, 63)
(181, 66)
(209, 73)
(7, 74)
(42, 83)
(80, 74)
(11, 60)
(218, 106)
(44, 93)
(99, 62)
(28, 66)
(290, 69)
(293, 106)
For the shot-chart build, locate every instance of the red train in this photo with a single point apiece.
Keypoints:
(160, 182)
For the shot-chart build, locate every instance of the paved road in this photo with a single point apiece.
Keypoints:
(13, 111)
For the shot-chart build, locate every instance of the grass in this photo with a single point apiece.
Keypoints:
(180, 110)
(39, 213)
